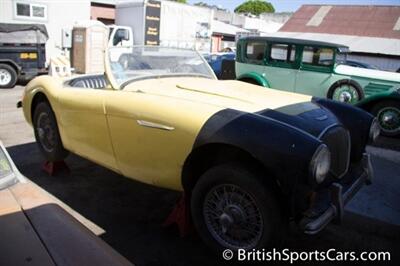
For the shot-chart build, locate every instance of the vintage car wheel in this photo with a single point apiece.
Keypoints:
(347, 91)
(232, 208)
(388, 115)
(8, 76)
(251, 81)
(47, 134)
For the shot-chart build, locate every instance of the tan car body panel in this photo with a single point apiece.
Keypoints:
(147, 130)
(37, 228)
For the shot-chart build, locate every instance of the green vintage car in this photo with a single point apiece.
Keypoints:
(313, 68)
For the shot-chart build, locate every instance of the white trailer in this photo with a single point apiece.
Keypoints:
(166, 23)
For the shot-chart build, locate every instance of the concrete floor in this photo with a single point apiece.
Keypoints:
(131, 213)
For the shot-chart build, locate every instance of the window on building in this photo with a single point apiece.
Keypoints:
(317, 56)
(255, 52)
(283, 53)
(30, 10)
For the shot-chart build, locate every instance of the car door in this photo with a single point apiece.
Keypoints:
(83, 124)
(253, 58)
(281, 66)
(149, 144)
(316, 71)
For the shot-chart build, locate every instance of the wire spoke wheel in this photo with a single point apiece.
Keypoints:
(389, 119)
(46, 132)
(233, 217)
(346, 93)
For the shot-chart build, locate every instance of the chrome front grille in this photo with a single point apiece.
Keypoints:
(337, 139)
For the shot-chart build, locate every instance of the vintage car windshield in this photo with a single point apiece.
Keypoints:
(341, 58)
(128, 64)
(5, 166)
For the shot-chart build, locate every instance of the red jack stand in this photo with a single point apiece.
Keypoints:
(52, 168)
(180, 216)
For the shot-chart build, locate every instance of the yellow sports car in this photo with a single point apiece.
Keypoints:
(248, 158)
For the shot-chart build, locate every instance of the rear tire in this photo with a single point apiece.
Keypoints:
(251, 81)
(8, 76)
(47, 134)
(388, 115)
(232, 208)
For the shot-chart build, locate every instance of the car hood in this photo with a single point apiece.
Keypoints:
(291, 108)
(367, 73)
(226, 94)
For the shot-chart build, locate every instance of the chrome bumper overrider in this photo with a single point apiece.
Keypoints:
(339, 196)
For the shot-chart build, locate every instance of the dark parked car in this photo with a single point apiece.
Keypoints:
(216, 61)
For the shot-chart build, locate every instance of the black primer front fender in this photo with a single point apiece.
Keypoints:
(282, 149)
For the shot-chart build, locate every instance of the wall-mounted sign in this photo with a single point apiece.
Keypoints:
(152, 23)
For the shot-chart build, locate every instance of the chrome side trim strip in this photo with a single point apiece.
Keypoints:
(154, 125)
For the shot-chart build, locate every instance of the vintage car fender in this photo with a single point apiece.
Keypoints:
(46, 86)
(286, 151)
(261, 80)
(369, 102)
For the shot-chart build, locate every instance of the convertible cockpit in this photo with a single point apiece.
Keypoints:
(92, 82)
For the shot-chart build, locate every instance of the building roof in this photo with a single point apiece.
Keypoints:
(104, 2)
(225, 28)
(372, 45)
(361, 20)
(288, 40)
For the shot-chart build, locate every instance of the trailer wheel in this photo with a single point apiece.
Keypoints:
(8, 76)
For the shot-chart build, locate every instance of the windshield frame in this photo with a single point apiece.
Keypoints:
(120, 86)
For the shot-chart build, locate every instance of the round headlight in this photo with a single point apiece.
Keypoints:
(320, 164)
(374, 130)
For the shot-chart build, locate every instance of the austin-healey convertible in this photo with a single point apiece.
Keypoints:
(249, 159)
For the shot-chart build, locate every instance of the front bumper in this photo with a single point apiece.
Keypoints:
(332, 201)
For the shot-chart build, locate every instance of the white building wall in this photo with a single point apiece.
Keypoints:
(60, 14)
(266, 23)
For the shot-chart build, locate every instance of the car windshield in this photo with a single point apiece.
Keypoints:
(341, 58)
(132, 63)
(5, 166)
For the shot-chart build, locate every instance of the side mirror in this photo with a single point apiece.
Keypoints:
(121, 35)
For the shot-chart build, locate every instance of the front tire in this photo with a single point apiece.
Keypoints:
(233, 209)
(47, 134)
(388, 115)
(8, 76)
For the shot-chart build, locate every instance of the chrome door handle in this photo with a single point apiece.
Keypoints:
(154, 125)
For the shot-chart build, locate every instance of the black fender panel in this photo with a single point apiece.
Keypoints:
(282, 149)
